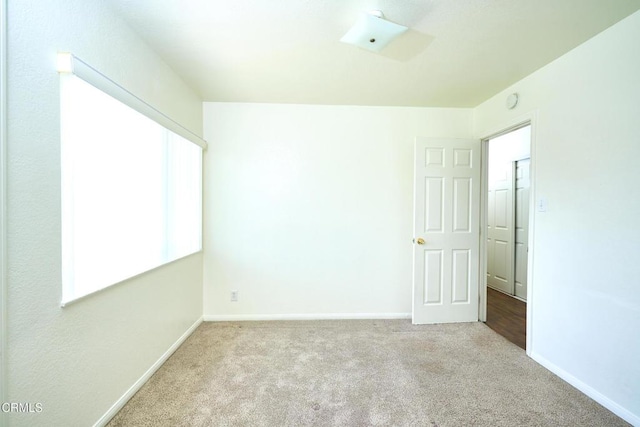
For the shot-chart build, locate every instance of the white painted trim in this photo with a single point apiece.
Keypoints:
(3, 211)
(312, 316)
(145, 377)
(484, 209)
(620, 411)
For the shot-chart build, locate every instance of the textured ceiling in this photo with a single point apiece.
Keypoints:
(458, 53)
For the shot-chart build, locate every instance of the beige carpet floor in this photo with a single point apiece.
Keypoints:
(355, 373)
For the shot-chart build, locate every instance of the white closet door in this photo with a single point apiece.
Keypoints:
(522, 227)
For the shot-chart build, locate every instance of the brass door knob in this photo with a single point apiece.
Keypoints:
(419, 241)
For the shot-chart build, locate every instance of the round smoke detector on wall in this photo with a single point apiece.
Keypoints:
(512, 101)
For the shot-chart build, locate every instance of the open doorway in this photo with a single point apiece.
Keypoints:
(507, 232)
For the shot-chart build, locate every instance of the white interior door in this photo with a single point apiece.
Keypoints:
(446, 230)
(500, 227)
(521, 227)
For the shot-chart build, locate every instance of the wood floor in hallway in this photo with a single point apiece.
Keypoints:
(507, 316)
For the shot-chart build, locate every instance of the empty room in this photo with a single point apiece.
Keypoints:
(319, 212)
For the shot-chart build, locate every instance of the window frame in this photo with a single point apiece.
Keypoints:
(69, 67)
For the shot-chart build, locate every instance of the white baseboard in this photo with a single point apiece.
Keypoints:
(623, 413)
(145, 377)
(312, 316)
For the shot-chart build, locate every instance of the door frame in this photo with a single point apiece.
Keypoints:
(516, 123)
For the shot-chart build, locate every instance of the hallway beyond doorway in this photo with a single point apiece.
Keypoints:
(507, 316)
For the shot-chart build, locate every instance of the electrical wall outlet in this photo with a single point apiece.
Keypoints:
(234, 296)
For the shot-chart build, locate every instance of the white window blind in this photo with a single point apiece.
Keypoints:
(131, 188)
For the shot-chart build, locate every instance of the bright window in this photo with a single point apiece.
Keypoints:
(131, 191)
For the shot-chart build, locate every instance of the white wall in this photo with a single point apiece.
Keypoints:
(586, 276)
(308, 209)
(79, 360)
(506, 149)
(3, 186)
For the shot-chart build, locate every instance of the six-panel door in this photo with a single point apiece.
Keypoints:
(446, 217)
